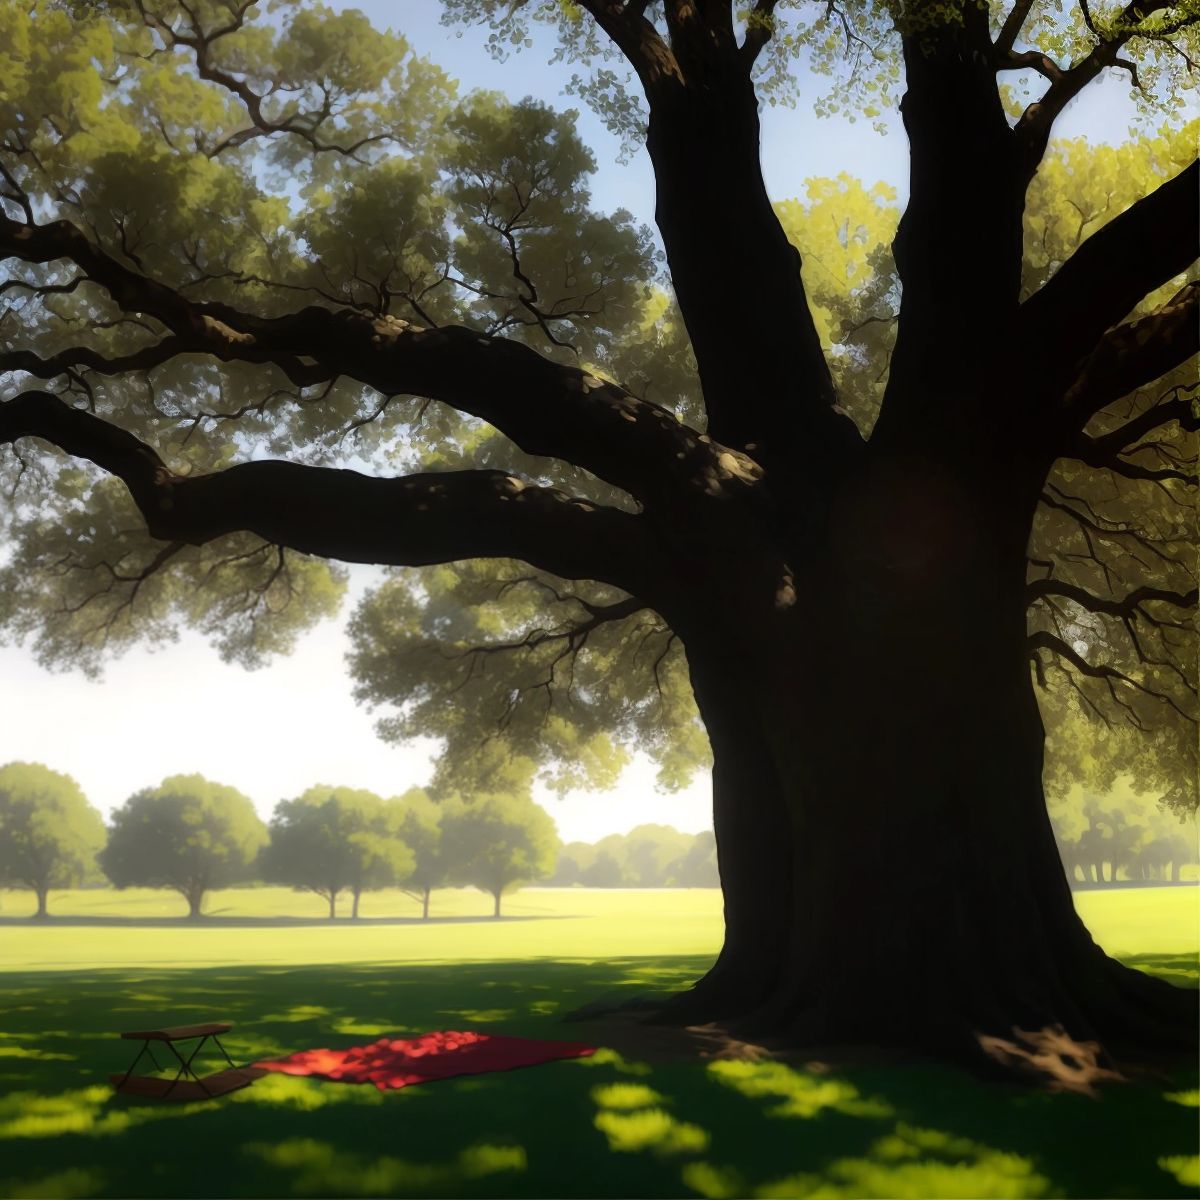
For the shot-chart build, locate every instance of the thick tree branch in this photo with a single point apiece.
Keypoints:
(1043, 640)
(1033, 129)
(627, 28)
(546, 408)
(199, 42)
(966, 204)
(1126, 607)
(1101, 451)
(1134, 354)
(405, 521)
(1014, 22)
(760, 27)
(1151, 242)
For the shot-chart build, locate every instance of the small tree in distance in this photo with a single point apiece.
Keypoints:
(334, 839)
(495, 842)
(49, 833)
(188, 834)
(419, 823)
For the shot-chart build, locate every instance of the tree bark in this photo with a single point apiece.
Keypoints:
(496, 909)
(904, 736)
(425, 905)
(42, 894)
(354, 906)
(194, 897)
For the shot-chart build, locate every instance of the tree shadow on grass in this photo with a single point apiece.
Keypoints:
(610, 1125)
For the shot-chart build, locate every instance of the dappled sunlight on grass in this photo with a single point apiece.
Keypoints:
(372, 1028)
(44, 1055)
(479, 1016)
(1185, 1168)
(625, 1095)
(62, 1185)
(908, 1164)
(303, 1093)
(615, 1124)
(650, 1129)
(318, 1168)
(88, 1110)
(803, 1094)
(298, 1012)
(605, 1056)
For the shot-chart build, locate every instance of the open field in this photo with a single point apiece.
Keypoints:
(618, 1124)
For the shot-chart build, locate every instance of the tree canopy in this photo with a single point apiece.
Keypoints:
(49, 833)
(189, 834)
(496, 841)
(334, 839)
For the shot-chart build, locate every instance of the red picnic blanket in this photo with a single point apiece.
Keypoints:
(399, 1062)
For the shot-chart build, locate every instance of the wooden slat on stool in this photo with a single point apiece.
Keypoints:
(177, 1033)
(154, 1088)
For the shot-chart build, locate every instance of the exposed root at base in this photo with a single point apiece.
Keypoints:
(1053, 1058)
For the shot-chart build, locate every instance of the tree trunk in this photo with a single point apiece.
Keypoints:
(887, 718)
(496, 909)
(42, 895)
(425, 905)
(354, 905)
(195, 898)
(332, 897)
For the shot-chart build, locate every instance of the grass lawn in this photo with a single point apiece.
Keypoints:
(604, 1126)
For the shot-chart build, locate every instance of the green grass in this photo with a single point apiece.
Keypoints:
(604, 1126)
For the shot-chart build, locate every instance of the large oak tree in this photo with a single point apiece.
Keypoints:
(233, 242)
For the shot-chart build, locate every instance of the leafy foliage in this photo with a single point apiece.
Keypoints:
(334, 839)
(49, 833)
(496, 841)
(188, 834)
(647, 856)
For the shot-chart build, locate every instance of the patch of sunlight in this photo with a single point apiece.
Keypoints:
(481, 1016)
(302, 1095)
(1185, 1168)
(299, 1012)
(83, 1111)
(66, 1185)
(605, 1056)
(44, 1055)
(714, 1183)
(651, 1129)
(319, 1169)
(625, 1095)
(544, 1008)
(1187, 1099)
(150, 998)
(374, 1028)
(904, 1166)
(803, 1095)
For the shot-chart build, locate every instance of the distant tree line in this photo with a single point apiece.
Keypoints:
(192, 835)
(1123, 835)
(647, 856)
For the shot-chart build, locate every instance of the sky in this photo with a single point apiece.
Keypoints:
(274, 732)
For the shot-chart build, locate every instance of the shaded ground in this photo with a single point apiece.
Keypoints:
(638, 1119)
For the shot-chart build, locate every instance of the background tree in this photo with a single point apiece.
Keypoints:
(188, 834)
(496, 842)
(419, 826)
(773, 522)
(334, 839)
(49, 833)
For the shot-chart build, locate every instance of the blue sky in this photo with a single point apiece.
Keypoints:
(274, 732)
